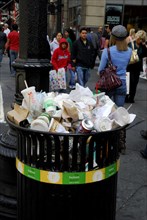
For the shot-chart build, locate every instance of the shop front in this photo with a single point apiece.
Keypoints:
(129, 15)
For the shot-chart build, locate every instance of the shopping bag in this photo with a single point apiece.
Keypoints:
(127, 83)
(57, 80)
(62, 78)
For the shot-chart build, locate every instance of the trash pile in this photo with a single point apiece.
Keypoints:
(80, 111)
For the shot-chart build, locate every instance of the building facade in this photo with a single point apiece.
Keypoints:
(92, 13)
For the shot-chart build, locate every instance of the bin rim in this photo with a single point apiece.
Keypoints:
(29, 130)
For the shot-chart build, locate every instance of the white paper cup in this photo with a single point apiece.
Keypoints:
(103, 124)
(49, 106)
(40, 125)
(121, 116)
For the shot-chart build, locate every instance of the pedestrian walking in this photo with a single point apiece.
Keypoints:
(120, 56)
(6, 29)
(3, 40)
(13, 45)
(93, 38)
(70, 37)
(99, 34)
(143, 152)
(82, 57)
(55, 43)
(137, 67)
(131, 36)
(61, 57)
(143, 133)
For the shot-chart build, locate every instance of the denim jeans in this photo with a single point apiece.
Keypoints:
(72, 80)
(1, 55)
(83, 75)
(13, 56)
(118, 95)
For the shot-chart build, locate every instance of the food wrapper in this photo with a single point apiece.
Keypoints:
(18, 114)
(70, 110)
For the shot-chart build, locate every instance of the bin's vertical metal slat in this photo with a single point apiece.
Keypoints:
(49, 152)
(105, 142)
(34, 149)
(19, 146)
(57, 153)
(117, 145)
(41, 152)
(91, 153)
(74, 153)
(83, 153)
(99, 147)
(28, 150)
(111, 153)
(23, 145)
(66, 153)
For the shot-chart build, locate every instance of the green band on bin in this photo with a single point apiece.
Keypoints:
(67, 178)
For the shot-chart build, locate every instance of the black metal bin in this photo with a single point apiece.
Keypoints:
(66, 176)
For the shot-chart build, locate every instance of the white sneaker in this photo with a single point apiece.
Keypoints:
(72, 87)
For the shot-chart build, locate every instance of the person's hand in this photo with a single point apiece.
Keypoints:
(5, 52)
(73, 68)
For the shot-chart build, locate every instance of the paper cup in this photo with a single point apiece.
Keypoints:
(103, 124)
(49, 106)
(121, 116)
(40, 125)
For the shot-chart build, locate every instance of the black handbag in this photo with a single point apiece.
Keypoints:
(109, 79)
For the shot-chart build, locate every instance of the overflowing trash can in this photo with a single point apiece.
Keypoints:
(65, 175)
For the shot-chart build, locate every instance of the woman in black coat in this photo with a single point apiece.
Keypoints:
(136, 68)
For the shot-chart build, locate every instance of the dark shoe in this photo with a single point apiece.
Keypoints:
(143, 133)
(131, 100)
(143, 154)
(123, 151)
(127, 99)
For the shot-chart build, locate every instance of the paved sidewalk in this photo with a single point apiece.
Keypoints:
(132, 176)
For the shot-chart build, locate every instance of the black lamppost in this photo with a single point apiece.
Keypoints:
(59, 19)
(33, 64)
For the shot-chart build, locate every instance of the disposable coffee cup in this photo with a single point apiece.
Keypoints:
(121, 116)
(49, 106)
(30, 96)
(40, 125)
(105, 124)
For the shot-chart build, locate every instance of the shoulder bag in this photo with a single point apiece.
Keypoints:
(134, 57)
(109, 79)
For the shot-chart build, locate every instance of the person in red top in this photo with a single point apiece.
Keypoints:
(61, 55)
(13, 45)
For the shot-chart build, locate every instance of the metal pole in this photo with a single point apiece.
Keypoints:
(33, 64)
(59, 15)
